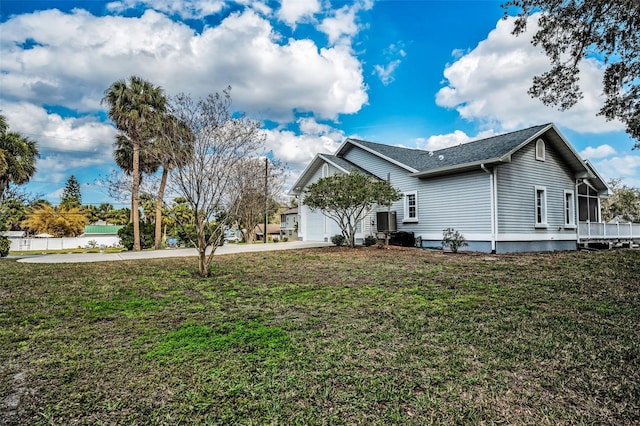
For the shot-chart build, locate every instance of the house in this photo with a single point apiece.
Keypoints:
(273, 231)
(102, 235)
(289, 224)
(527, 190)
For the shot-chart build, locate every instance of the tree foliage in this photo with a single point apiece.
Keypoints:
(573, 30)
(136, 107)
(623, 203)
(12, 212)
(71, 196)
(222, 140)
(59, 222)
(348, 198)
(18, 155)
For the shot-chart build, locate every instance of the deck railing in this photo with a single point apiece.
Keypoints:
(599, 231)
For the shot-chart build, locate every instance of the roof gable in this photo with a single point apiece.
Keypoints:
(339, 163)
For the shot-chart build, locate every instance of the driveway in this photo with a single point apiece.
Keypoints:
(180, 252)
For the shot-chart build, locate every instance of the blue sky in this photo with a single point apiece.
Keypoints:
(425, 74)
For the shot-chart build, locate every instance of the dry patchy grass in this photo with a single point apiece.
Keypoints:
(324, 336)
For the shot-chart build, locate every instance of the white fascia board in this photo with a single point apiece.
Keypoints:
(296, 188)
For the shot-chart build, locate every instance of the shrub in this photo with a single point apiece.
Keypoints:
(5, 244)
(147, 232)
(338, 240)
(453, 239)
(285, 239)
(370, 240)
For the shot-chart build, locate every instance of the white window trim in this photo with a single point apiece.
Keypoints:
(572, 222)
(543, 223)
(406, 218)
(541, 142)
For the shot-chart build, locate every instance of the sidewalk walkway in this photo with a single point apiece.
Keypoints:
(180, 252)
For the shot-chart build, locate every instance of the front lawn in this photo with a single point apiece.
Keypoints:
(324, 336)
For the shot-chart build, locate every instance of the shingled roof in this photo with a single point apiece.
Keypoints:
(491, 148)
(341, 163)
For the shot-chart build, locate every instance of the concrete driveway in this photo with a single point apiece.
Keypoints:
(155, 254)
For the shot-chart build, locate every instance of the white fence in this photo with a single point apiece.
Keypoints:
(42, 244)
(609, 231)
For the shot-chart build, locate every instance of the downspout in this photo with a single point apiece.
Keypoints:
(492, 200)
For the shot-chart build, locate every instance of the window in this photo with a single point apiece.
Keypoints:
(325, 170)
(569, 209)
(540, 150)
(410, 207)
(588, 203)
(541, 206)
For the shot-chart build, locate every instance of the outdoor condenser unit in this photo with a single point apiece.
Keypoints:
(386, 221)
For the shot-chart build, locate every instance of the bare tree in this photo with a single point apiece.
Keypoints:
(258, 182)
(221, 140)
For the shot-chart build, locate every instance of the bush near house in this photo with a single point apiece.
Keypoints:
(338, 240)
(453, 239)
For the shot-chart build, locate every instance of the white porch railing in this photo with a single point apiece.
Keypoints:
(598, 231)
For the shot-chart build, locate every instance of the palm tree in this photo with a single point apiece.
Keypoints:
(123, 156)
(136, 107)
(18, 156)
(171, 149)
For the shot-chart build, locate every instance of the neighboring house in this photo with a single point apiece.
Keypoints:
(273, 231)
(94, 235)
(289, 223)
(102, 235)
(526, 190)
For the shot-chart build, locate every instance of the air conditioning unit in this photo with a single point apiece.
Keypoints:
(386, 221)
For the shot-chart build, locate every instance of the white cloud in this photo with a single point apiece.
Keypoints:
(56, 168)
(597, 152)
(84, 135)
(78, 55)
(385, 73)
(342, 25)
(297, 150)
(436, 142)
(295, 11)
(187, 9)
(489, 84)
(392, 55)
(626, 167)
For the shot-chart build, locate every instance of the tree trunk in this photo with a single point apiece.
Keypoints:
(202, 249)
(202, 263)
(163, 184)
(135, 189)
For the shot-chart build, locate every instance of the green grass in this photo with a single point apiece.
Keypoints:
(324, 336)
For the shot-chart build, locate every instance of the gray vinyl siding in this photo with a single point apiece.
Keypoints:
(516, 184)
(317, 226)
(461, 201)
(399, 177)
